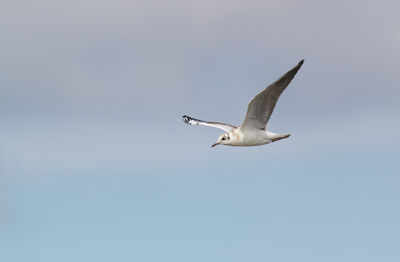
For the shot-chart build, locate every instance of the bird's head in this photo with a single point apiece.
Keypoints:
(223, 139)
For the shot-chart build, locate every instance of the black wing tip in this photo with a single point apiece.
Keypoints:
(301, 62)
(189, 120)
(186, 119)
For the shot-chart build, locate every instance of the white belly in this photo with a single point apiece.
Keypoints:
(251, 138)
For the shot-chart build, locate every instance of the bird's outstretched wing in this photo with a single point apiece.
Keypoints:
(192, 121)
(262, 105)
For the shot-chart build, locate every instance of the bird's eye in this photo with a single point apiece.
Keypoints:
(223, 138)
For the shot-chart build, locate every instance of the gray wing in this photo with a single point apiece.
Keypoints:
(262, 105)
(192, 121)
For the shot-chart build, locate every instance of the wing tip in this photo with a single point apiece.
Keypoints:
(188, 120)
(301, 62)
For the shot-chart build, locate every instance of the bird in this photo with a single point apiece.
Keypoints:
(253, 130)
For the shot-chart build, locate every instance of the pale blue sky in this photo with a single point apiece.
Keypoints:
(96, 163)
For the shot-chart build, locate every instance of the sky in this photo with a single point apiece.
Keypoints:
(96, 163)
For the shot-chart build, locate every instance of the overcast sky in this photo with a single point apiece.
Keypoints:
(92, 92)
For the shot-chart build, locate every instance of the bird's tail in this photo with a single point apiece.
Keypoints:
(279, 137)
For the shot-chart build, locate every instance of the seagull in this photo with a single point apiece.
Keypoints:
(253, 131)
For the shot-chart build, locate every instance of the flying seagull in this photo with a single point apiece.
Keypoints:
(253, 131)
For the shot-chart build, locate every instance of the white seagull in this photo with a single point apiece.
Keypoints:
(253, 130)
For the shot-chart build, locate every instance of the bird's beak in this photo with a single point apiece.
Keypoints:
(216, 143)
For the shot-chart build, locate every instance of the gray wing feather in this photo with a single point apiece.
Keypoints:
(262, 105)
